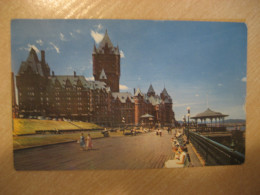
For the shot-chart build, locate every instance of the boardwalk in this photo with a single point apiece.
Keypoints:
(144, 151)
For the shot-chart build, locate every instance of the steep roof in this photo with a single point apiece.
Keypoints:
(62, 79)
(122, 96)
(167, 100)
(165, 93)
(105, 40)
(138, 91)
(209, 114)
(32, 62)
(102, 44)
(154, 100)
(94, 49)
(103, 75)
(151, 90)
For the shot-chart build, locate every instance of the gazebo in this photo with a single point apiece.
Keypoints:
(147, 120)
(211, 115)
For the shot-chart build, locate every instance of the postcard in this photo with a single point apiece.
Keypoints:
(128, 94)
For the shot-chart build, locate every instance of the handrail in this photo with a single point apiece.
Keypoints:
(218, 153)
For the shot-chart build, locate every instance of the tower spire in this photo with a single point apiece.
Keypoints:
(94, 48)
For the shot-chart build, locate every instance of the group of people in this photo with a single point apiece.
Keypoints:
(180, 155)
(85, 144)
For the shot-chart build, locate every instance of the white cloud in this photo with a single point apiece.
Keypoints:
(122, 55)
(197, 95)
(187, 104)
(28, 48)
(40, 42)
(78, 31)
(123, 87)
(97, 36)
(55, 47)
(243, 79)
(90, 78)
(220, 84)
(34, 47)
(98, 27)
(62, 37)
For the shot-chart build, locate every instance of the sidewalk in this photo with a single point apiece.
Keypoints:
(194, 160)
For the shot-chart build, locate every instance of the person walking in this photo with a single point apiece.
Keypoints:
(82, 142)
(89, 142)
(160, 132)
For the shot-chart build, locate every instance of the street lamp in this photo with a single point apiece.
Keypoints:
(188, 115)
(184, 120)
(123, 121)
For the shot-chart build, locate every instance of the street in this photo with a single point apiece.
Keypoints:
(145, 151)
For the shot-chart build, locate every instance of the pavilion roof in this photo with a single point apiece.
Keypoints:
(209, 114)
(147, 116)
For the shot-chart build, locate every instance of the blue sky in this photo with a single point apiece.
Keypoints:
(201, 64)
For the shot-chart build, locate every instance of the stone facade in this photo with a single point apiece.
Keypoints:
(106, 63)
(73, 97)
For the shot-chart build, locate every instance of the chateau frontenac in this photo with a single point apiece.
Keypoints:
(42, 93)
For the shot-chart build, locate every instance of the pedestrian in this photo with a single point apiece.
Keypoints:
(82, 142)
(160, 132)
(89, 142)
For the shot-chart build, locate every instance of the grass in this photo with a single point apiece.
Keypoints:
(29, 126)
(20, 142)
(85, 125)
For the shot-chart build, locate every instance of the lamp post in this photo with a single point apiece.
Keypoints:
(184, 121)
(123, 121)
(188, 133)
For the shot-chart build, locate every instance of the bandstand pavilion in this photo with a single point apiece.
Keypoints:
(147, 120)
(211, 115)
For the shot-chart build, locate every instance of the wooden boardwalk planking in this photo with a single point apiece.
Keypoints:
(146, 151)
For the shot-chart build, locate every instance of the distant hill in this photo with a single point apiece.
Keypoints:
(235, 121)
(226, 121)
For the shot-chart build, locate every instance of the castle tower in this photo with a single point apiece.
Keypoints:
(106, 62)
(168, 116)
(31, 80)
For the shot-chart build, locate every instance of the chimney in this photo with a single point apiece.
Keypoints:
(43, 56)
(53, 73)
(75, 74)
